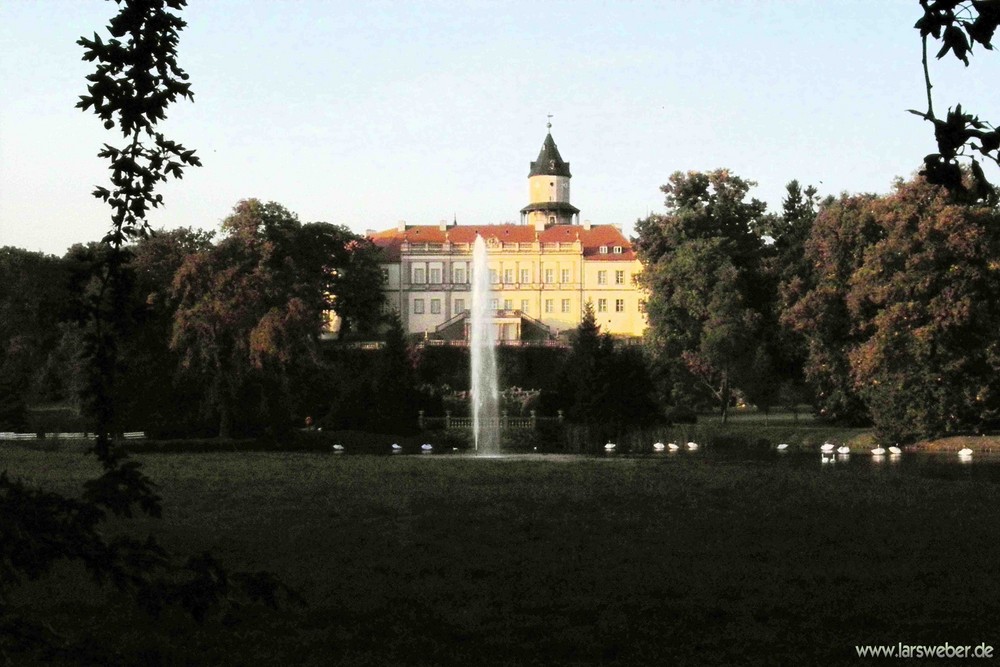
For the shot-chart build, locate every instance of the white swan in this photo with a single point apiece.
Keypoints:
(782, 447)
(965, 452)
(895, 451)
(673, 446)
(843, 449)
(878, 451)
(692, 446)
(427, 447)
(338, 448)
(658, 446)
(396, 447)
(827, 447)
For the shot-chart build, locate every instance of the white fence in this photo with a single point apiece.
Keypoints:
(5, 435)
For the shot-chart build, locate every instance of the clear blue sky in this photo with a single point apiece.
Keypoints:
(366, 113)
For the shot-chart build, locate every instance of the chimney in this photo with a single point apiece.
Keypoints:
(586, 225)
(442, 225)
(401, 226)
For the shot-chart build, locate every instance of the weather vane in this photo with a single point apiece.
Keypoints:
(549, 124)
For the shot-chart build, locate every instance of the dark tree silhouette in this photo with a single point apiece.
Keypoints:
(136, 78)
(959, 25)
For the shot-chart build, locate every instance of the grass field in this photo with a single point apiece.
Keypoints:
(556, 560)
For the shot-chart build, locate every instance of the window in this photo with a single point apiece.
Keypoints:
(436, 276)
(525, 276)
(565, 305)
(552, 218)
(459, 274)
(618, 250)
(524, 305)
(418, 274)
(418, 306)
(565, 275)
(548, 275)
(436, 306)
(508, 304)
(459, 306)
(385, 275)
(603, 250)
(494, 278)
(548, 306)
(494, 304)
(619, 277)
(619, 305)
(602, 305)
(602, 277)
(508, 275)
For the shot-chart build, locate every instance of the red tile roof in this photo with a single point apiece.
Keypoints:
(391, 240)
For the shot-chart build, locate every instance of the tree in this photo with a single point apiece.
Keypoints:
(818, 310)
(790, 274)
(603, 387)
(353, 278)
(708, 295)
(157, 397)
(34, 291)
(134, 82)
(248, 313)
(959, 25)
(925, 303)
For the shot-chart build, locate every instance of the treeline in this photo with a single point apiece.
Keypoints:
(874, 309)
(221, 335)
(880, 310)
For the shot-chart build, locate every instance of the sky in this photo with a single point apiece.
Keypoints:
(368, 113)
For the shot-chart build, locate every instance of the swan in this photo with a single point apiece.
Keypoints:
(658, 446)
(895, 451)
(396, 447)
(427, 447)
(692, 446)
(878, 451)
(338, 448)
(782, 447)
(965, 452)
(609, 447)
(827, 447)
(843, 449)
(673, 446)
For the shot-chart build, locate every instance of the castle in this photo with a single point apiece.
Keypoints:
(543, 270)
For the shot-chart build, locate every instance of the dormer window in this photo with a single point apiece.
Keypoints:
(618, 250)
(552, 219)
(603, 250)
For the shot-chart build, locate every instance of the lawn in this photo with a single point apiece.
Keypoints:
(555, 560)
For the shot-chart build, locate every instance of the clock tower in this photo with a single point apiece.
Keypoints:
(548, 189)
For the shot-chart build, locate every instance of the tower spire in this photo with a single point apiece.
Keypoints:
(548, 125)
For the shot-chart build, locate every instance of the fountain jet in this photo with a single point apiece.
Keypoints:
(482, 340)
